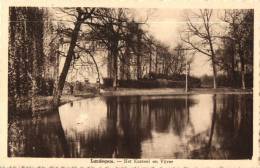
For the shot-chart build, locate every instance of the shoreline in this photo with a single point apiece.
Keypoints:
(71, 98)
(172, 91)
(44, 103)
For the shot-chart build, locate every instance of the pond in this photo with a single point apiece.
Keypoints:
(203, 126)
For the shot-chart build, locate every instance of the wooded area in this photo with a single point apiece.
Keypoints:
(37, 42)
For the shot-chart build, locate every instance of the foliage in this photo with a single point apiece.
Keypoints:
(236, 53)
(224, 80)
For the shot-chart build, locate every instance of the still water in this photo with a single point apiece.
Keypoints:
(201, 126)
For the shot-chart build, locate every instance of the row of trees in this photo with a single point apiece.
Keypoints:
(38, 38)
(229, 51)
(131, 52)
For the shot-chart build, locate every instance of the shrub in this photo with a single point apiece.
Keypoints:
(107, 82)
(225, 81)
(153, 83)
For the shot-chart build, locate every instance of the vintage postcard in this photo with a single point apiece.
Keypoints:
(129, 84)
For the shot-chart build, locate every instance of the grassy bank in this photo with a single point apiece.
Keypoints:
(45, 103)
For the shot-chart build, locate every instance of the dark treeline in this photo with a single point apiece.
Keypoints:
(32, 56)
(236, 57)
(23, 35)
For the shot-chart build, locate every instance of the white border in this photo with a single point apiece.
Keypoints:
(35, 162)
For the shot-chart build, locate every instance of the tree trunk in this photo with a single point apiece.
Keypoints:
(242, 68)
(138, 68)
(150, 62)
(156, 62)
(64, 72)
(34, 73)
(115, 67)
(56, 70)
(163, 65)
(206, 25)
(122, 68)
(109, 65)
(213, 61)
(233, 77)
(138, 63)
(97, 69)
(127, 69)
(214, 75)
(243, 74)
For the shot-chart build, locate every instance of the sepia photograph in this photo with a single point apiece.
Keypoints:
(103, 82)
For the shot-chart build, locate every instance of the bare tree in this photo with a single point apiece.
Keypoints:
(81, 15)
(109, 29)
(199, 36)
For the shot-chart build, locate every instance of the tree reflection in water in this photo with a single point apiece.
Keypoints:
(230, 135)
(139, 127)
(37, 136)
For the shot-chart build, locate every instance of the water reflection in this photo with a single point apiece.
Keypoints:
(37, 137)
(195, 126)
